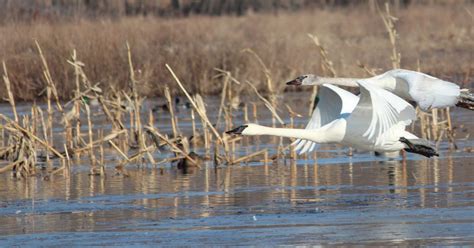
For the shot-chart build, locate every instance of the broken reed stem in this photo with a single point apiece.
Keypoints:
(223, 94)
(151, 118)
(49, 111)
(11, 99)
(10, 166)
(389, 22)
(45, 131)
(202, 108)
(450, 133)
(49, 79)
(267, 75)
(136, 101)
(246, 113)
(227, 118)
(193, 124)
(267, 104)
(31, 136)
(105, 139)
(177, 149)
(91, 138)
(367, 70)
(68, 158)
(327, 65)
(132, 125)
(203, 116)
(206, 135)
(147, 151)
(246, 158)
(232, 150)
(119, 150)
(51, 90)
(101, 152)
(254, 111)
(171, 109)
(3, 135)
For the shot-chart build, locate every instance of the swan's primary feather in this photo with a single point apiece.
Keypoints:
(429, 92)
(333, 103)
(382, 110)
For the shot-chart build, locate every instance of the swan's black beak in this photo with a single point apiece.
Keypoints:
(237, 130)
(295, 81)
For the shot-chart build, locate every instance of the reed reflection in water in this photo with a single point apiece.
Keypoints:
(304, 194)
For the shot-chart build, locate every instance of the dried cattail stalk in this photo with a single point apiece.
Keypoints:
(11, 100)
(171, 109)
(267, 73)
(31, 136)
(137, 131)
(223, 94)
(153, 131)
(267, 104)
(246, 158)
(327, 66)
(389, 22)
(91, 139)
(254, 111)
(193, 124)
(202, 115)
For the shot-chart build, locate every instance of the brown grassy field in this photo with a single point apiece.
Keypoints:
(439, 39)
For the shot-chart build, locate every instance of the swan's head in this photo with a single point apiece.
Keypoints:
(308, 79)
(247, 129)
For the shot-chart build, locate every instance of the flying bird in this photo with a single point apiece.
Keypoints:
(427, 91)
(373, 121)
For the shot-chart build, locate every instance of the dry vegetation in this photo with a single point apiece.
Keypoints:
(437, 38)
(118, 63)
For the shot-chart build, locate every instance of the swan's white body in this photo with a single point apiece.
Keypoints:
(374, 121)
(427, 91)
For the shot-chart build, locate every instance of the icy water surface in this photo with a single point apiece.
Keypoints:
(334, 199)
(412, 202)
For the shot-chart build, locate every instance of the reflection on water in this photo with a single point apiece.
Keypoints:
(324, 197)
(389, 201)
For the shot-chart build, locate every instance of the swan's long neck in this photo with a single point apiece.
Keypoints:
(349, 82)
(320, 135)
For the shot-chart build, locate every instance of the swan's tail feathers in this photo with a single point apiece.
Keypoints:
(419, 146)
(466, 100)
(302, 146)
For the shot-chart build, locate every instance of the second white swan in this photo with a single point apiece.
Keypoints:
(427, 91)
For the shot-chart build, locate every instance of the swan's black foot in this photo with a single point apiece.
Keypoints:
(237, 130)
(419, 147)
(466, 100)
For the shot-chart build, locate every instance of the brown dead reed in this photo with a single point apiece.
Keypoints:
(29, 139)
(435, 35)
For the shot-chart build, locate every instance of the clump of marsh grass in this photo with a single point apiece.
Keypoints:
(279, 41)
(30, 137)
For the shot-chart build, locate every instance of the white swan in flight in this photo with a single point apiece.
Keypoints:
(427, 91)
(376, 122)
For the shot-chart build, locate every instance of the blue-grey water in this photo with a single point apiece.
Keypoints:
(332, 198)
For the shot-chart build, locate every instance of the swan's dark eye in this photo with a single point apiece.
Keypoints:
(302, 77)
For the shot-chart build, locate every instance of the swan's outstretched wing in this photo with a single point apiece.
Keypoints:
(427, 91)
(376, 113)
(331, 103)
